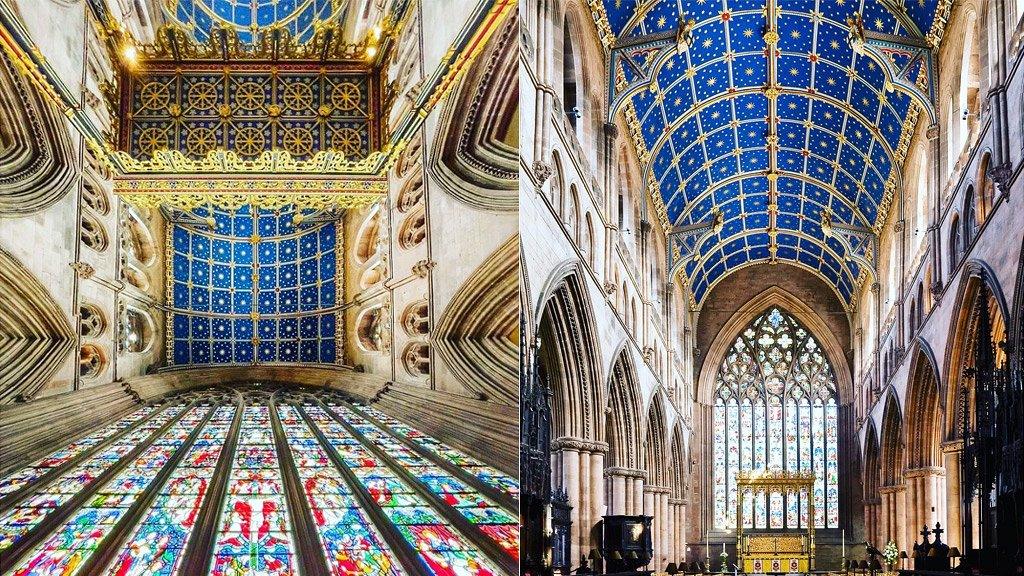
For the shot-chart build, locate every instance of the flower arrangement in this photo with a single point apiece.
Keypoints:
(890, 554)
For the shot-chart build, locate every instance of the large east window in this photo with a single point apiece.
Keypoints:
(775, 409)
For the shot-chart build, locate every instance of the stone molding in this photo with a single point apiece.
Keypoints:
(579, 445)
(924, 471)
(625, 472)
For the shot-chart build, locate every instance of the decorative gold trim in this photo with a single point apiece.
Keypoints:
(278, 161)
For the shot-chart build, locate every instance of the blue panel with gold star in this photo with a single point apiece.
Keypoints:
(299, 17)
(248, 111)
(770, 117)
(254, 288)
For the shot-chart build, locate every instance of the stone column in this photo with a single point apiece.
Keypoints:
(580, 470)
(951, 463)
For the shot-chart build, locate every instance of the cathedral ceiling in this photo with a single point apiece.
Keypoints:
(765, 131)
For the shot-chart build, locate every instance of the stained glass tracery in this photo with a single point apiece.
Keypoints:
(249, 472)
(776, 408)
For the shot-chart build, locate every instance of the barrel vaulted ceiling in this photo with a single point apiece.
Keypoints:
(769, 118)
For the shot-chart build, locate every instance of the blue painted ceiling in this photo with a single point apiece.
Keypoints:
(299, 17)
(707, 118)
(254, 288)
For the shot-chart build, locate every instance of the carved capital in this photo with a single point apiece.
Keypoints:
(84, 270)
(932, 132)
(625, 472)
(609, 288)
(578, 444)
(611, 131)
(899, 225)
(423, 268)
(1001, 175)
(875, 287)
(542, 170)
(936, 288)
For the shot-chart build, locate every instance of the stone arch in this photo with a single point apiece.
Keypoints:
(138, 331)
(476, 333)
(893, 453)
(92, 232)
(416, 358)
(478, 160)
(986, 187)
(774, 296)
(414, 229)
(411, 194)
(368, 236)
(655, 440)
(977, 278)
(370, 329)
(140, 239)
(91, 320)
(92, 361)
(623, 414)
(923, 409)
(568, 355)
(37, 166)
(872, 462)
(39, 336)
(678, 465)
(416, 318)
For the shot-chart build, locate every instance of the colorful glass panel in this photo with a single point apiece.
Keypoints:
(16, 480)
(486, 474)
(466, 500)
(254, 535)
(156, 546)
(35, 507)
(440, 547)
(352, 544)
(75, 541)
(777, 366)
(145, 526)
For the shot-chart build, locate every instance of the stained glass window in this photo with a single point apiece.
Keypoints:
(775, 408)
(222, 483)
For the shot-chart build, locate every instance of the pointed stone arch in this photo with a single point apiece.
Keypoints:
(963, 324)
(656, 440)
(924, 409)
(37, 158)
(475, 335)
(624, 417)
(893, 449)
(37, 336)
(774, 296)
(569, 355)
(478, 160)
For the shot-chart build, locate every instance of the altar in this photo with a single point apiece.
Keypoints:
(774, 551)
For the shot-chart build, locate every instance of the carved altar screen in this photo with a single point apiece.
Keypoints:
(771, 551)
(776, 409)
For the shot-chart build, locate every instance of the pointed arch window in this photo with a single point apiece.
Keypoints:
(776, 408)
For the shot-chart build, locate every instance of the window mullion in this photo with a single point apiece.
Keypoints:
(114, 540)
(470, 530)
(307, 542)
(405, 553)
(503, 498)
(13, 498)
(199, 552)
(12, 556)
